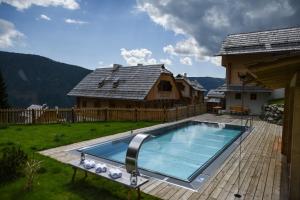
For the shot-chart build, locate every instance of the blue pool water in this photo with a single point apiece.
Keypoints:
(177, 153)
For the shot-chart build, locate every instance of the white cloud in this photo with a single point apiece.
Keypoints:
(207, 23)
(75, 21)
(25, 4)
(190, 48)
(138, 56)
(216, 18)
(166, 61)
(9, 35)
(186, 61)
(45, 17)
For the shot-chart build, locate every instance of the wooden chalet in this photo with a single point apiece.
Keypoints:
(191, 91)
(141, 86)
(272, 59)
(215, 98)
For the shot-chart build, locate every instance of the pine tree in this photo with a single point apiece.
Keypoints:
(3, 94)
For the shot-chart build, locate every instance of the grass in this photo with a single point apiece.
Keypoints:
(53, 181)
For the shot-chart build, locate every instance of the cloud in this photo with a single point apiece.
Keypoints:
(25, 4)
(138, 56)
(186, 61)
(208, 22)
(166, 61)
(45, 17)
(75, 21)
(9, 35)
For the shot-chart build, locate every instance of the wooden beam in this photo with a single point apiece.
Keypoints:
(295, 150)
(275, 64)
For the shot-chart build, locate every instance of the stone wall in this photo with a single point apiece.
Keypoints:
(273, 113)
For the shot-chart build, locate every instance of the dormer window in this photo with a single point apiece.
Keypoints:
(101, 83)
(116, 82)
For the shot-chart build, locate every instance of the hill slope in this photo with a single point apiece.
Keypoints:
(33, 79)
(209, 82)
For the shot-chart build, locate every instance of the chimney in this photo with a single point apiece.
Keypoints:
(116, 67)
(139, 64)
(184, 74)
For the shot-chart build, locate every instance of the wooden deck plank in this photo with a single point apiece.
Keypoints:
(262, 166)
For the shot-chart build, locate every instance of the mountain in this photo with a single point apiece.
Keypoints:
(33, 79)
(209, 82)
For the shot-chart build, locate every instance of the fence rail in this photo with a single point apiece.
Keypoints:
(73, 115)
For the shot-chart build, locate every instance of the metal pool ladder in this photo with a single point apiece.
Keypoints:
(131, 161)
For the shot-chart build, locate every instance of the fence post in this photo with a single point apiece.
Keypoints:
(165, 114)
(136, 114)
(176, 114)
(195, 109)
(33, 116)
(106, 114)
(187, 111)
(73, 115)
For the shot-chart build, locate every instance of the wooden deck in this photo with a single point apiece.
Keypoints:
(261, 167)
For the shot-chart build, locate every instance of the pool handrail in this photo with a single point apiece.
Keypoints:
(131, 160)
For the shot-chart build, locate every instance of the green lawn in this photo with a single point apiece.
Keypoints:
(53, 181)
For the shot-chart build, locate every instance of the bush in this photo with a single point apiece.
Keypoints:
(12, 162)
(31, 170)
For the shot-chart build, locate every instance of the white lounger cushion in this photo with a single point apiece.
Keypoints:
(115, 173)
(100, 168)
(88, 164)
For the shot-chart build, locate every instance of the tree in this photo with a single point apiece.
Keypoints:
(3, 94)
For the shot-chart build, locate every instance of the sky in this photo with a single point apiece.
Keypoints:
(184, 35)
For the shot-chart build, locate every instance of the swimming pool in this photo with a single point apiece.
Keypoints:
(181, 151)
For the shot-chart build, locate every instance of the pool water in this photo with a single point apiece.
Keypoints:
(178, 153)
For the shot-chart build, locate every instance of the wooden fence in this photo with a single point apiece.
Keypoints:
(70, 115)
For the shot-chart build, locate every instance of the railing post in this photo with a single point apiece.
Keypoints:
(32, 116)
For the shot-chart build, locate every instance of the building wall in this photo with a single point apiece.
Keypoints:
(186, 92)
(238, 63)
(156, 94)
(255, 106)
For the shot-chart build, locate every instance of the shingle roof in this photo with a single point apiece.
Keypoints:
(263, 41)
(215, 93)
(133, 82)
(239, 88)
(194, 83)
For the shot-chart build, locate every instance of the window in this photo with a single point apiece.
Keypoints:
(164, 86)
(238, 95)
(253, 96)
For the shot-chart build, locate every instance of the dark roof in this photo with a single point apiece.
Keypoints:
(263, 41)
(194, 83)
(132, 83)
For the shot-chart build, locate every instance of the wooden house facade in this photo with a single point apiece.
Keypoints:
(141, 86)
(191, 91)
(272, 59)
